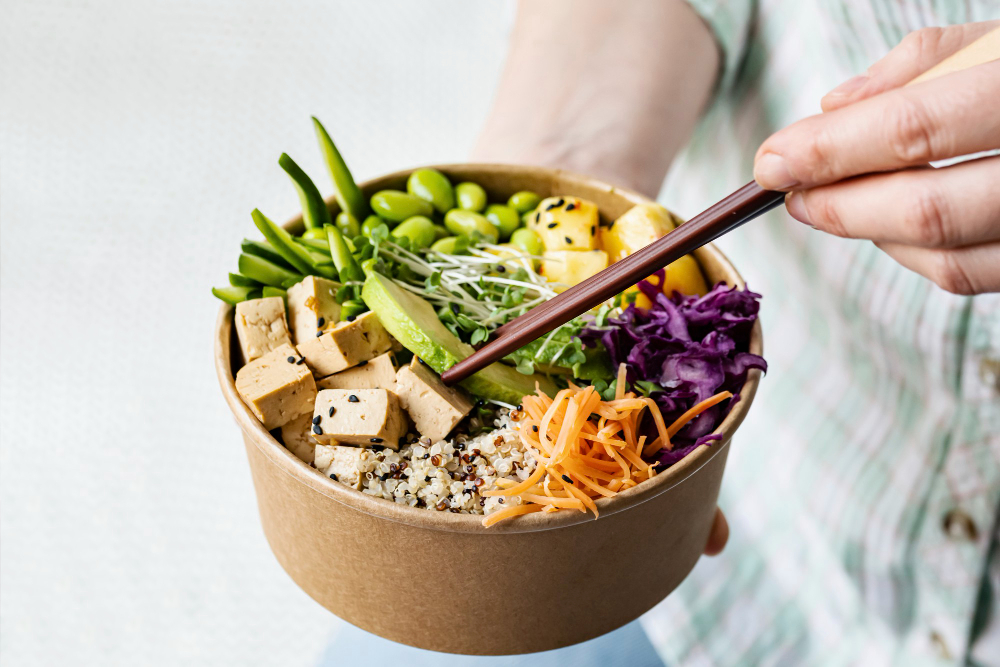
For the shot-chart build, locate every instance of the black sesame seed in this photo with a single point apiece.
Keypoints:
(376, 440)
(333, 476)
(500, 501)
(332, 410)
(454, 308)
(520, 406)
(427, 478)
(427, 455)
(421, 361)
(570, 206)
(611, 225)
(291, 360)
(538, 216)
(567, 479)
(317, 419)
(351, 318)
(593, 230)
(353, 399)
(363, 363)
(560, 202)
(319, 333)
(321, 321)
(501, 269)
(569, 241)
(301, 361)
(378, 448)
(553, 225)
(317, 430)
(535, 429)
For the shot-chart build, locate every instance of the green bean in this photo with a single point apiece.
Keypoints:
(524, 201)
(505, 218)
(528, 240)
(350, 309)
(433, 186)
(370, 223)
(314, 233)
(346, 265)
(346, 191)
(233, 294)
(276, 291)
(265, 272)
(451, 245)
(265, 250)
(315, 214)
(397, 206)
(470, 196)
(347, 224)
(440, 232)
(368, 265)
(460, 221)
(236, 280)
(322, 245)
(419, 229)
(283, 243)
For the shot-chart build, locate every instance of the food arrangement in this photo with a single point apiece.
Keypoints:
(345, 327)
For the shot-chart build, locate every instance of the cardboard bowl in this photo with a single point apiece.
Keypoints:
(441, 581)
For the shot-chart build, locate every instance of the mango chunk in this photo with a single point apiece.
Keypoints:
(566, 223)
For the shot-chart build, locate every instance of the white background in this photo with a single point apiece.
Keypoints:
(135, 138)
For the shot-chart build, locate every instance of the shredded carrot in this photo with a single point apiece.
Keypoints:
(586, 448)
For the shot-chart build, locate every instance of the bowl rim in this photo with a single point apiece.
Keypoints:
(255, 433)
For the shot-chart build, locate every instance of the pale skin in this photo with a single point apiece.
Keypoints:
(625, 82)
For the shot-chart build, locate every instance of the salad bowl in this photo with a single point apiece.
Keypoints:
(444, 582)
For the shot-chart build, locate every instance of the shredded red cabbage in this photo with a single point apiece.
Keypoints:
(692, 347)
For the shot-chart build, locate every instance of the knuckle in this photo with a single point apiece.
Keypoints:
(927, 218)
(949, 274)
(817, 161)
(825, 211)
(910, 134)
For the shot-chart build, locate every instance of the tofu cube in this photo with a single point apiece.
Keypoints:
(343, 464)
(346, 345)
(363, 417)
(260, 326)
(434, 408)
(379, 373)
(275, 389)
(566, 223)
(312, 307)
(297, 436)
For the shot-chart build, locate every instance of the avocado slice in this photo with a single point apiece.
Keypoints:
(413, 322)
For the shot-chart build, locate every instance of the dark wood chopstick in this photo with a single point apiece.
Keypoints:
(738, 208)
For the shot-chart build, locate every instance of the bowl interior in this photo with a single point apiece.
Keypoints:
(500, 181)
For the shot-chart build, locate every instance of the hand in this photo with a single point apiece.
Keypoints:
(718, 536)
(859, 170)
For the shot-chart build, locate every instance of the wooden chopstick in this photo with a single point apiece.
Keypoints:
(742, 206)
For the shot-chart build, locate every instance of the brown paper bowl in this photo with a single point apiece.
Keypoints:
(441, 581)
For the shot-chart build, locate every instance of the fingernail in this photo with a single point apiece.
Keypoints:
(849, 87)
(796, 208)
(771, 172)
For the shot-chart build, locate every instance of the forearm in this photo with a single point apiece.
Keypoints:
(612, 89)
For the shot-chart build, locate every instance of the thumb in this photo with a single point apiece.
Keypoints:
(917, 53)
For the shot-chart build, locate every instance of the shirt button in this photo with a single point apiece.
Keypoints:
(959, 526)
(989, 372)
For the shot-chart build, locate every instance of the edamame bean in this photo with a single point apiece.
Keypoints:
(347, 224)
(528, 240)
(470, 196)
(369, 225)
(419, 229)
(524, 201)
(451, 245)
(505, 218)
(314, 233)
(397, 206)
(433, 186)
(460, 221)
(440, 232)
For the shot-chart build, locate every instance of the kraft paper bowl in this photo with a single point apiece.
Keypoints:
(441, 581)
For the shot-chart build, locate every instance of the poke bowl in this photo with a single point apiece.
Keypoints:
(442, 580)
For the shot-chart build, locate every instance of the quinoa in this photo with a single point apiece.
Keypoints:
(451, 474)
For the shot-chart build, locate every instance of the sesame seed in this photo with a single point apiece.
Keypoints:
(363, 363)
(376, 441)
(351, 318)
(534, 428)
(321, 321)
(333, 476)
(319, 333)
(567, 479)
(570, 206)
(501, 269)
(568, 240)
(317, 430)
(301, 361)
(538, 217)
(317, 419)
(422, 362)
(593, 229)
(553, 225)
(353, 399)
(291, 360)
(332, 410)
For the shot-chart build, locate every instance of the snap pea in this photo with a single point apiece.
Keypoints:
(346, 265)
(350, 309)
(368, 265)
(524, 201)
(451, 245)
(460, 221)
(433, 186)
(397, 206)
(315, 214)
(470, 196)
(265, 272)
(419, 229)
(528, 240)
(314, 233)
(236, 280)
(369, 225)
(265, 250)
(283, 243)
(275, 291)
(322, 245)
(440, 232)
(347, 224)
(233, 294)
(505, 218)
(346, 191)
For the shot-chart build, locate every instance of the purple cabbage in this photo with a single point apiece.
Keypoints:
(692, 347)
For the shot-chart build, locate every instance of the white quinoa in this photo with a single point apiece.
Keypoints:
(449, 474)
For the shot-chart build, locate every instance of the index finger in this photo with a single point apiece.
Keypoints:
(946, 117)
